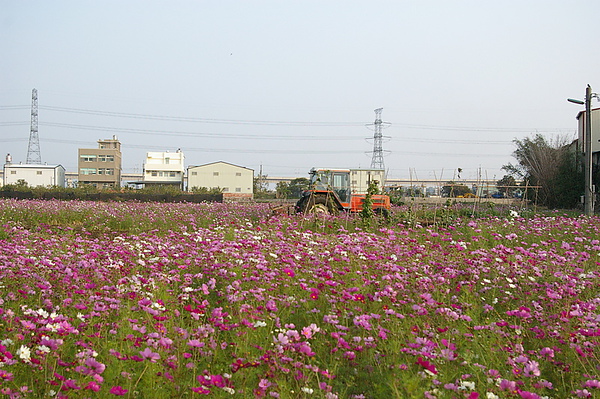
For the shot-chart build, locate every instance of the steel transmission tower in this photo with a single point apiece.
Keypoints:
(377, 160)
(33, 151)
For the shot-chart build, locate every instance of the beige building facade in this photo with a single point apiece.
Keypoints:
(101, 167)
(236, 182)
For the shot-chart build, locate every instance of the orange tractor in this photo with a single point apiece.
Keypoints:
(334, 190)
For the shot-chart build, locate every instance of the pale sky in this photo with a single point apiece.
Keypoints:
(293, 84)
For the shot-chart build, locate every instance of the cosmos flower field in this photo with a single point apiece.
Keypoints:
(101, 300)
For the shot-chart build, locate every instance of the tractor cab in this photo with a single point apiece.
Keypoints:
(338, 181)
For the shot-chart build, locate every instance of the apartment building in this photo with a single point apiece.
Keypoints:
(164, 168)
(101, 167)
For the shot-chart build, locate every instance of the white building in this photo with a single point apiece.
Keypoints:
(164, 168)
(34, 175)
(360, 179)
(236, 182)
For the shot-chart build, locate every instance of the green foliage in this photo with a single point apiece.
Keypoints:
(568, 184)
(507, 185)
(293, 189)
(453, 190)
(206, 190)
(297, 186)
(367, 211)
(162, 189)
(261, 188)
(552, 167)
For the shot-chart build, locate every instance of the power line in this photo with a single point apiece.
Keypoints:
(256, 136)
(481, 129)
(281, 151)
(285, 123)
(197, 120)
(11, 107)
(195, 134)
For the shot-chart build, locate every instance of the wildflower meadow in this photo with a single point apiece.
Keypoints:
(100, 300)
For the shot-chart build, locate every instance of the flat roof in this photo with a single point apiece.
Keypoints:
(31, 166)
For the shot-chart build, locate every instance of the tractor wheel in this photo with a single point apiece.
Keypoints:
(318, 209)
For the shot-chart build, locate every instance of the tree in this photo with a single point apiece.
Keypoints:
(261, 188)
(282, 189)
(298, 186)
(453, 189)
(544, 163)
(507, 185)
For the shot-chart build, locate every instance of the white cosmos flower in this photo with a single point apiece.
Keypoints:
(24, 353)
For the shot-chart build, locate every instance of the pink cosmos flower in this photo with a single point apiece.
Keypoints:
(118, 390)
(426, 365)
(93, 386)
(289, 272)
(95, 366)
(200, 390)
(195, 343)
(148, 354)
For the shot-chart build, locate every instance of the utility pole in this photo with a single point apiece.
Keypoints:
(589, 192)
(589, 184)
(33, 150)
(377, 160)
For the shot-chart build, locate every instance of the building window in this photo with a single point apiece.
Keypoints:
(154, 174)
(88, 158)
(167, 161)
(88, 171)
(106, 158)
(13, 172)
(39, 172)
(215, 173)
(238, 173)
(238, 189)
(225, 189)
(172, 174)
(354, 182)
(110, 171)
(194, 173)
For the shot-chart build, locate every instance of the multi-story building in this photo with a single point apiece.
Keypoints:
(581, 120)
(236, 182)
(101, 167)
(164, 168)
(34, 175)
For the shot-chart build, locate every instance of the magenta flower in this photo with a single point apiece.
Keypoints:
(200, 390)
(95, 366)
(289, 272)
(426, 365)
(93, 386)
(148, 354)
(532, 368)
(195, 343)
(118, 390)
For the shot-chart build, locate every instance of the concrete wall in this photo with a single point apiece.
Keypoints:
(232, 179)
(35, 175)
